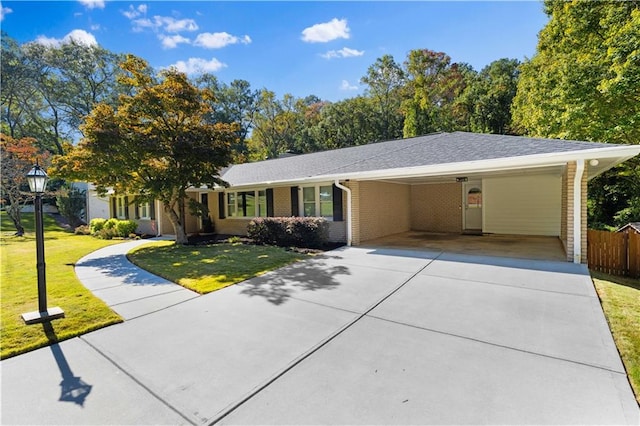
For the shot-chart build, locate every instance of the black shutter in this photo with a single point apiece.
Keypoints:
(152, 209)
(270, 202)
(337, 204)
(113, 207)
(126, 207)
(221, 205)
(137, 211)
(294, 201)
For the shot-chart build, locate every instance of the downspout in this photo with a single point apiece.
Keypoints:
(348, 191)
(158, 218)
(577, 212)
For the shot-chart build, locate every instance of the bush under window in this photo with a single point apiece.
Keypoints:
(308, 232)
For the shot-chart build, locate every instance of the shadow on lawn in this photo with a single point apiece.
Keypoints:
(73, 388)
(119, 266)
(277, 287)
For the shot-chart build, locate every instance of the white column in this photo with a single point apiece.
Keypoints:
(577, 212)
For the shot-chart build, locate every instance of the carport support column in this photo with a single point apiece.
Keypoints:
(349, 218)
(577, 212)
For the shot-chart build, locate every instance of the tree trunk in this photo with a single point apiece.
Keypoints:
(14, 213)
(178, 227)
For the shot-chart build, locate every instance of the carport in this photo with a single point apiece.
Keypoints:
(514, 246)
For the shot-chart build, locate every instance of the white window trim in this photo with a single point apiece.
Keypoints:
(236, 206)
(120, 204)
(148, 216)
(317, 200)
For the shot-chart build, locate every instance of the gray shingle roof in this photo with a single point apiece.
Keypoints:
(433, 149)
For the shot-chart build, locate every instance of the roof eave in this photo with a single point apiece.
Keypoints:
(615, 154)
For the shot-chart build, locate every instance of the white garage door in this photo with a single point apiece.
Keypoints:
(523, 205)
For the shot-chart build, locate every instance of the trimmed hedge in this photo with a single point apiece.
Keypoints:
(108, 229)
(308, 232)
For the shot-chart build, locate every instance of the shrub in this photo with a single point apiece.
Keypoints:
(96, 225)
(82, 230)
(309, 232)
(106, 233)
(110, 224)
(124, 228)
(71, 202)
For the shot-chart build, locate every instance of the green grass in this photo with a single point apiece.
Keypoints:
(208, 268)
(621, 304)
(19, 292)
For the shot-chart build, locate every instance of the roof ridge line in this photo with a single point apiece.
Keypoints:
(437, 135)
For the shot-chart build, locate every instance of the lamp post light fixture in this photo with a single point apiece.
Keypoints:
(38, 179)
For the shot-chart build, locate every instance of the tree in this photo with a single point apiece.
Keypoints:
(583, 83)
(276, 124)
(434, 83)
(17, 157)
(155, 144)
(489, 97)
(233, 103)
(350, 122)
(385, 80)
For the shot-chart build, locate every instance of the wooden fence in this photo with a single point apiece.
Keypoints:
(614, 253)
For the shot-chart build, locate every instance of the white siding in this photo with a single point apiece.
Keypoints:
(526, 205)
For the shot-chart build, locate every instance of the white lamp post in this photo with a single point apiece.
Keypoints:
(38, 179)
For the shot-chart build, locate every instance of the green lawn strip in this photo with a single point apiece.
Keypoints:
(19, 290)
(208, 268)
(620, 299)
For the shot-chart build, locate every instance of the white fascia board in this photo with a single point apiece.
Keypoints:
(620, 152)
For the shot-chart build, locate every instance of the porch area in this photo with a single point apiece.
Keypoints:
(516, 246)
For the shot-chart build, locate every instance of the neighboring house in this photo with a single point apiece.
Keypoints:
(631, 227)
(446, 182)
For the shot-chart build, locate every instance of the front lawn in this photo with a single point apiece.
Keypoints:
(620, 299)
(210, 267)
(19, 290)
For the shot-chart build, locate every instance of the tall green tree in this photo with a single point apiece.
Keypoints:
(584, 83)
(233, 103)
(277, 123)
(385, 81)
(489, 96)
(155, 144)
(434, 83)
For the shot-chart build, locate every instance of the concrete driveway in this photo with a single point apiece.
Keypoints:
(356, 336)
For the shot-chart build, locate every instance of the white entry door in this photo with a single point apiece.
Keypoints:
(472, 206)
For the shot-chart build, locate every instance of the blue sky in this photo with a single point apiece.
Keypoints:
(302, 48)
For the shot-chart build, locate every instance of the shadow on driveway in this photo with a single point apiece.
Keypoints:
(278, 287)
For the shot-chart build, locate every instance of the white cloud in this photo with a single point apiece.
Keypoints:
(4, 11)
(161, 23)
(345, 85)
(198, 65)
(134, 12)
(173, 25)
(219, 40)
(322, 33)
(171, 42)
(79, 36)
(92, 4)
(95, 27)
(345, 52)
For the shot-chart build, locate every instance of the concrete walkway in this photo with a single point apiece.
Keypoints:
(356, 336)
(128, 290)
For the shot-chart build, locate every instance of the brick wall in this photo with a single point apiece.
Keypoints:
(383, 209)
(436, 207)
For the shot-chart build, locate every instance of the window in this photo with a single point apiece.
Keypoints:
(121, 208)
(318, 199)
(144, 210)
(474, 198)
(247, 204)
